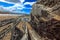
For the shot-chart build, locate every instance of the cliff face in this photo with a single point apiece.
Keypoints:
(47, 8)
(49, 3)
(45, 19)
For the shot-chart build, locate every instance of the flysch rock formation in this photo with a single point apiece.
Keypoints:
(45, 19)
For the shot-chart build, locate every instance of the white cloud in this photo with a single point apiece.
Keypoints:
(22, 1)
(7, 2)
(2, 0)
(12, 10)
(3, 9)
(17, 6)
(30, 3)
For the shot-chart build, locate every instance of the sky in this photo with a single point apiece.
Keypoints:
(16, 6)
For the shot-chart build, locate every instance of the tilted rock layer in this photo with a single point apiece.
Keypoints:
(45, 19)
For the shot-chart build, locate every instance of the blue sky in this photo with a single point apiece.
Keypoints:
(16, 6)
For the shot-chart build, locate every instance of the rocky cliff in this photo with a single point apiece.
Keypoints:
(45, 19)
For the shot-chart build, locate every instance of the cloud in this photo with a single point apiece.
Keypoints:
(6, 2)
(14, 1)
(12, 10)
(15, 7)
(18, 7)
(30, 3)
(3, 9)
(22, 1)
(2, 0)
